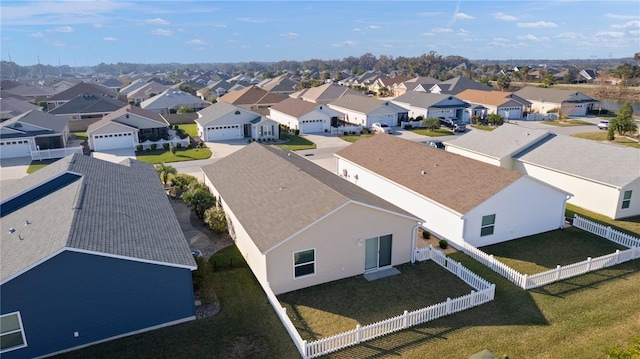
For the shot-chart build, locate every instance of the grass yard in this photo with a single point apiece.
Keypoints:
(296, 143)
(80, 135)
(483, 127)
(434, 133)
(190, 129)
(568, 123)
(629, 225)
(335, 307)
(601, 136)
(165, 156)
(36, 165)
(354, 138)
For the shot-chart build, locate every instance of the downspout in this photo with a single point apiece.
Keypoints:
(564, 210)
(413, 242)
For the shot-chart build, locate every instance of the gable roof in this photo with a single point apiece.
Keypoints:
(295, 107)
(454, 181)
(609, 164)
(85, 204)
(12, 106)
(325, 93)
(504, 141)
(31, 90)
(47, 121)
(429, 100)
(148, 89)
(218, 110)
(553, 95)
(257, 182)
(116, 116)
(493, 98)
(459, 84)
(251, 95)
(88, 103)
(363, 104)
(82, 88)
(172, 99)
(279, 84)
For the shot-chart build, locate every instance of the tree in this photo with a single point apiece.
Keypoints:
(199, 199)
(548, 80)
(431, 123)
(611, 134)
(216, 219)
(623, 122)
(631, 352)
(184, 109)
(495, 119)
(164, 171)
(504, 81)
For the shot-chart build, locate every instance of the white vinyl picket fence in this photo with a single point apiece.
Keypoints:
(526, 281)
(484, 292)
(40, 155)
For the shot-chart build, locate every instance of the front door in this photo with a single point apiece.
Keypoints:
(377, 253)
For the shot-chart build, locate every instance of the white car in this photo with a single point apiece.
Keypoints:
(381, 127)
(603, 125)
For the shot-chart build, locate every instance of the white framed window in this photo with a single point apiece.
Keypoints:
(304, 263)
(488, 223)
(11, 332)
(626, 199)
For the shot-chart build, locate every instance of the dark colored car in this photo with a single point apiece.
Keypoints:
(435, 144)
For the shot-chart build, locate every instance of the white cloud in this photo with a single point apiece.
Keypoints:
(570, 36)
(462, 16)
(427, 34)
(463, 32)
(290, 35)
(160, 32)
(616, 16)
(357, 29)
(251, 20)
(109, 38)
(501, 39)
(635, 23)
(220, 26)
(373, 27)
(344, 43)
(441, 29)
(98, 26)
(536, 24)
(156, 21)
(65, 29)
(37, 34)
(504, 17)
(612, 34)
(533, 38)
(634, 32)
(60, 12)
(197, 42)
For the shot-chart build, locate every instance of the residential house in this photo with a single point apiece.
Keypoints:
(86, 109)
(433, 105)
(299, 225)
(14, 106)
(324, 93)
(588, 75)
(91, 251)
(601, 177)
(280, 85)
(308, 117)
(171, 100)
(457, 85)
(421, 83)
(456, 198)
(365, 111)
(77, 90)
(126, 128)
(223, 121)
(505, 104)
(385, 84)
(568, 102)
(34, 93)
(31, 131)
(135, 84)
(113, 84)
(145, 92)
(252, 98)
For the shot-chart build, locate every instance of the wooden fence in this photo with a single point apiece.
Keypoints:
(484, 292)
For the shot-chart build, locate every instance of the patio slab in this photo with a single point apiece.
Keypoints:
(381, 274)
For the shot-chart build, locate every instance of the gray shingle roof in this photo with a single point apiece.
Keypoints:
(38, 118)
(115, 209)
(363, 104)
(172, 99)
(553, 95)
(275, 193)
(88, 103)
(430, 100)
(610, 164)
(459, 84)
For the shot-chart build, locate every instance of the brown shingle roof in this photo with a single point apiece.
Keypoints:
(493, 98)
(251, 95)
(454, 181)
(295, 107)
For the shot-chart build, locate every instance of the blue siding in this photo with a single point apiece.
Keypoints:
(96, 296)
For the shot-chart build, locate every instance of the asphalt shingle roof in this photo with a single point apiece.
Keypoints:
(429, 100)
(115, 209)
(172, 99)
(88, 103)
(454, 181)
(275, 193)
(363, 104)
(553, 95)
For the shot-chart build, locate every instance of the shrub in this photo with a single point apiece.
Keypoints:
(189, 145)
(443, 244)
(154, 146)
(178, 145)
(165, 146)
(172, 148)
(296, 132)
(138, 148)
(216, 219)
(408, 127)
(426, 234)
(203, 281)
(199, 199)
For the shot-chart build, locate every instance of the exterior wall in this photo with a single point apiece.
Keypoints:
(542, 106)
(339, 243)
(589, 195)
(524, 208)
(634, 206)
(17, 147)
(473, 155)
(284, 119)
(439, 220)
(96, 297)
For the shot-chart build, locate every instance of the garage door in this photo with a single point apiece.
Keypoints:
(311, 126)
(513, 112)
(390, 120)
(229, 132)
(15, 148)
(112, 141)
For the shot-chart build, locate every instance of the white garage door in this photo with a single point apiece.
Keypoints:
(229, 132)
(15, 148)
(112, 141)
(513, 112)
(390, 120)
(311, 126)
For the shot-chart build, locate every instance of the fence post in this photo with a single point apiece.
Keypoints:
(558, 272)
(608, 233)
(525, 279)
(617, 256)
(588, 264)
(448, 305)
(474, 297)
(306, 349)
(492, 261)
(406, 320)
(358, 334)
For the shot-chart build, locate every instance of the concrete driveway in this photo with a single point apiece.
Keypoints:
(326, 140)
(115, 156)
(225, 148)
(12, 169)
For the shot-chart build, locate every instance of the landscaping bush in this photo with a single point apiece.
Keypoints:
(202, 279)
(201, 144)
(199, 199)
(154, 146)
(165, 146)
(443, 244)
(426, 234)
(216, 219)
(296, 132)
(178, 145)
(408, 127)
(172, 148)
(189, 145)
(138, 148)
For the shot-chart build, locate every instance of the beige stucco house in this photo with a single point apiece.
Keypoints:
(299, 225)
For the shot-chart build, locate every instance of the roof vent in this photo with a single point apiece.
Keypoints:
(424, 172)
(11, 230)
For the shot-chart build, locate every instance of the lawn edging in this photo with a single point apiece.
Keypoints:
(483, 292)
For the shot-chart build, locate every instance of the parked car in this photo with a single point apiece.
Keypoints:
(459, 127)
(381, 127)
(453, 123)
(435, 144)
(196, 253)
(603, 125)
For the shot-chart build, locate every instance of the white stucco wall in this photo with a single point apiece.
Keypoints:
(473, 155)
(634, 207)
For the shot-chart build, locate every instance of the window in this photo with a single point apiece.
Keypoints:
(626, 199)
(488, 223)
(267, 130)
(304, 263)
(11, 332)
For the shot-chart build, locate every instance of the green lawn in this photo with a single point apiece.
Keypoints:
(296, 143)
(165, 156)
(629, 225)
(483, 127)
(36, 165)
(80, 135)
(568, 123)
(601, 136)
(354, 138)
(434, 133)
(190, 129)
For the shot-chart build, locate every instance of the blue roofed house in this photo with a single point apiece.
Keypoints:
(223, 121)
(84, 260)
(433, 105)
(32, 131)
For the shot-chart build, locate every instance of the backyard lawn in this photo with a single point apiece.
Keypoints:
(434, 133)
(165, 156)
(354, 138)
(189, 128)
(630, 225)
(36, 165)
(568, 123)
(601, 136)
(483, 127)
(80, 135)
(295, 143)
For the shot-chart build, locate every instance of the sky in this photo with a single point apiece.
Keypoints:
(86, 33)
